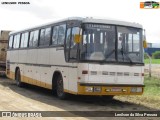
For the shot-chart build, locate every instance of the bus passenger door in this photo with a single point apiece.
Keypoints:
(71, 58)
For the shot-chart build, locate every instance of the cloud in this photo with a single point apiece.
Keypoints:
(40, 11)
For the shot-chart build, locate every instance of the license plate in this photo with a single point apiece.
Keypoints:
(116, 89)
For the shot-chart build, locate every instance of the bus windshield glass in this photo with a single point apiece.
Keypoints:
(109, 43)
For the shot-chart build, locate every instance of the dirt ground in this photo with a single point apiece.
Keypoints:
(31, 98)
(155, 70)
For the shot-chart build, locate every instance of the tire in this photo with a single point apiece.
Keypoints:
(60, 89)
(18, 79)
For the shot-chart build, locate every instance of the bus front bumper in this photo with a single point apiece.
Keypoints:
(109, 89)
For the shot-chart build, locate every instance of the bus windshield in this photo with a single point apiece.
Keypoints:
(109, 43)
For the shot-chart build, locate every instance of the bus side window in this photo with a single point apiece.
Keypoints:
(61, 34)
(68, 37)
(73, 45)
(42, 33)
(10, 42)
(55, 35)
(24, 40)
(16, 41)
(33, 41)
(47, 36)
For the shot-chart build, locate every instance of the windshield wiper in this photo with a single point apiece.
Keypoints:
(124, 53)
(108, 55)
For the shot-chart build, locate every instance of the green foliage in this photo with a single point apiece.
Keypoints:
(156, 55)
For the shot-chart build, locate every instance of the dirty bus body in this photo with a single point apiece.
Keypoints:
(81, 56)
(3, 50)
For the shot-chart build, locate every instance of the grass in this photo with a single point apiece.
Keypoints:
(150, 97)
(152, 86)
(154, 61)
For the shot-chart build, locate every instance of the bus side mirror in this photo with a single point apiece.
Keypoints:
(144, 39)
(77, 38)
(144, 44)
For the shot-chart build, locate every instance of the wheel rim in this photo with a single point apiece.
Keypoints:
(60, 87)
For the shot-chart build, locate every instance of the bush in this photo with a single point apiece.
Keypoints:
(156, 55)
(145, 56)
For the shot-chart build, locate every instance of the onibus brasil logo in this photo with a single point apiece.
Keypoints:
(149, 4)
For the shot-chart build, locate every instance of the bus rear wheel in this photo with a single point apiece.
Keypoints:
(60, 89)
(18, 79)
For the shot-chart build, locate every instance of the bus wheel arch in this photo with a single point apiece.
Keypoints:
(57, 85)
(17, 68)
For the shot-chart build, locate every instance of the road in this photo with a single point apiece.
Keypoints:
(31, 98)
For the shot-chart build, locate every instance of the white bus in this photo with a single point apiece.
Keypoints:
(81, 56)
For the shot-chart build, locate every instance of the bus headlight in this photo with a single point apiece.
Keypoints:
(139, 89)
(89, 89)
(97, 89)
(93, 89)
(136, 89)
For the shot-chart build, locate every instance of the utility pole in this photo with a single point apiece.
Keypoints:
(150, 64)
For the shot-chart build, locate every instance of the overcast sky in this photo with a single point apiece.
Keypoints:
(16, 17)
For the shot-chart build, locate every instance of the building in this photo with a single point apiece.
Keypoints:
(3, 44)
(152, 47)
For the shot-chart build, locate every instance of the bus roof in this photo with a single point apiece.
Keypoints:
(88, 20)
(112, 22)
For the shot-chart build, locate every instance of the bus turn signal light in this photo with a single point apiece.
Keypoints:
(84, 72)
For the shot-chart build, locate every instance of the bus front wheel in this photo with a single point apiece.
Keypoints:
(60, 89)
(18, 79)
(107, 98)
